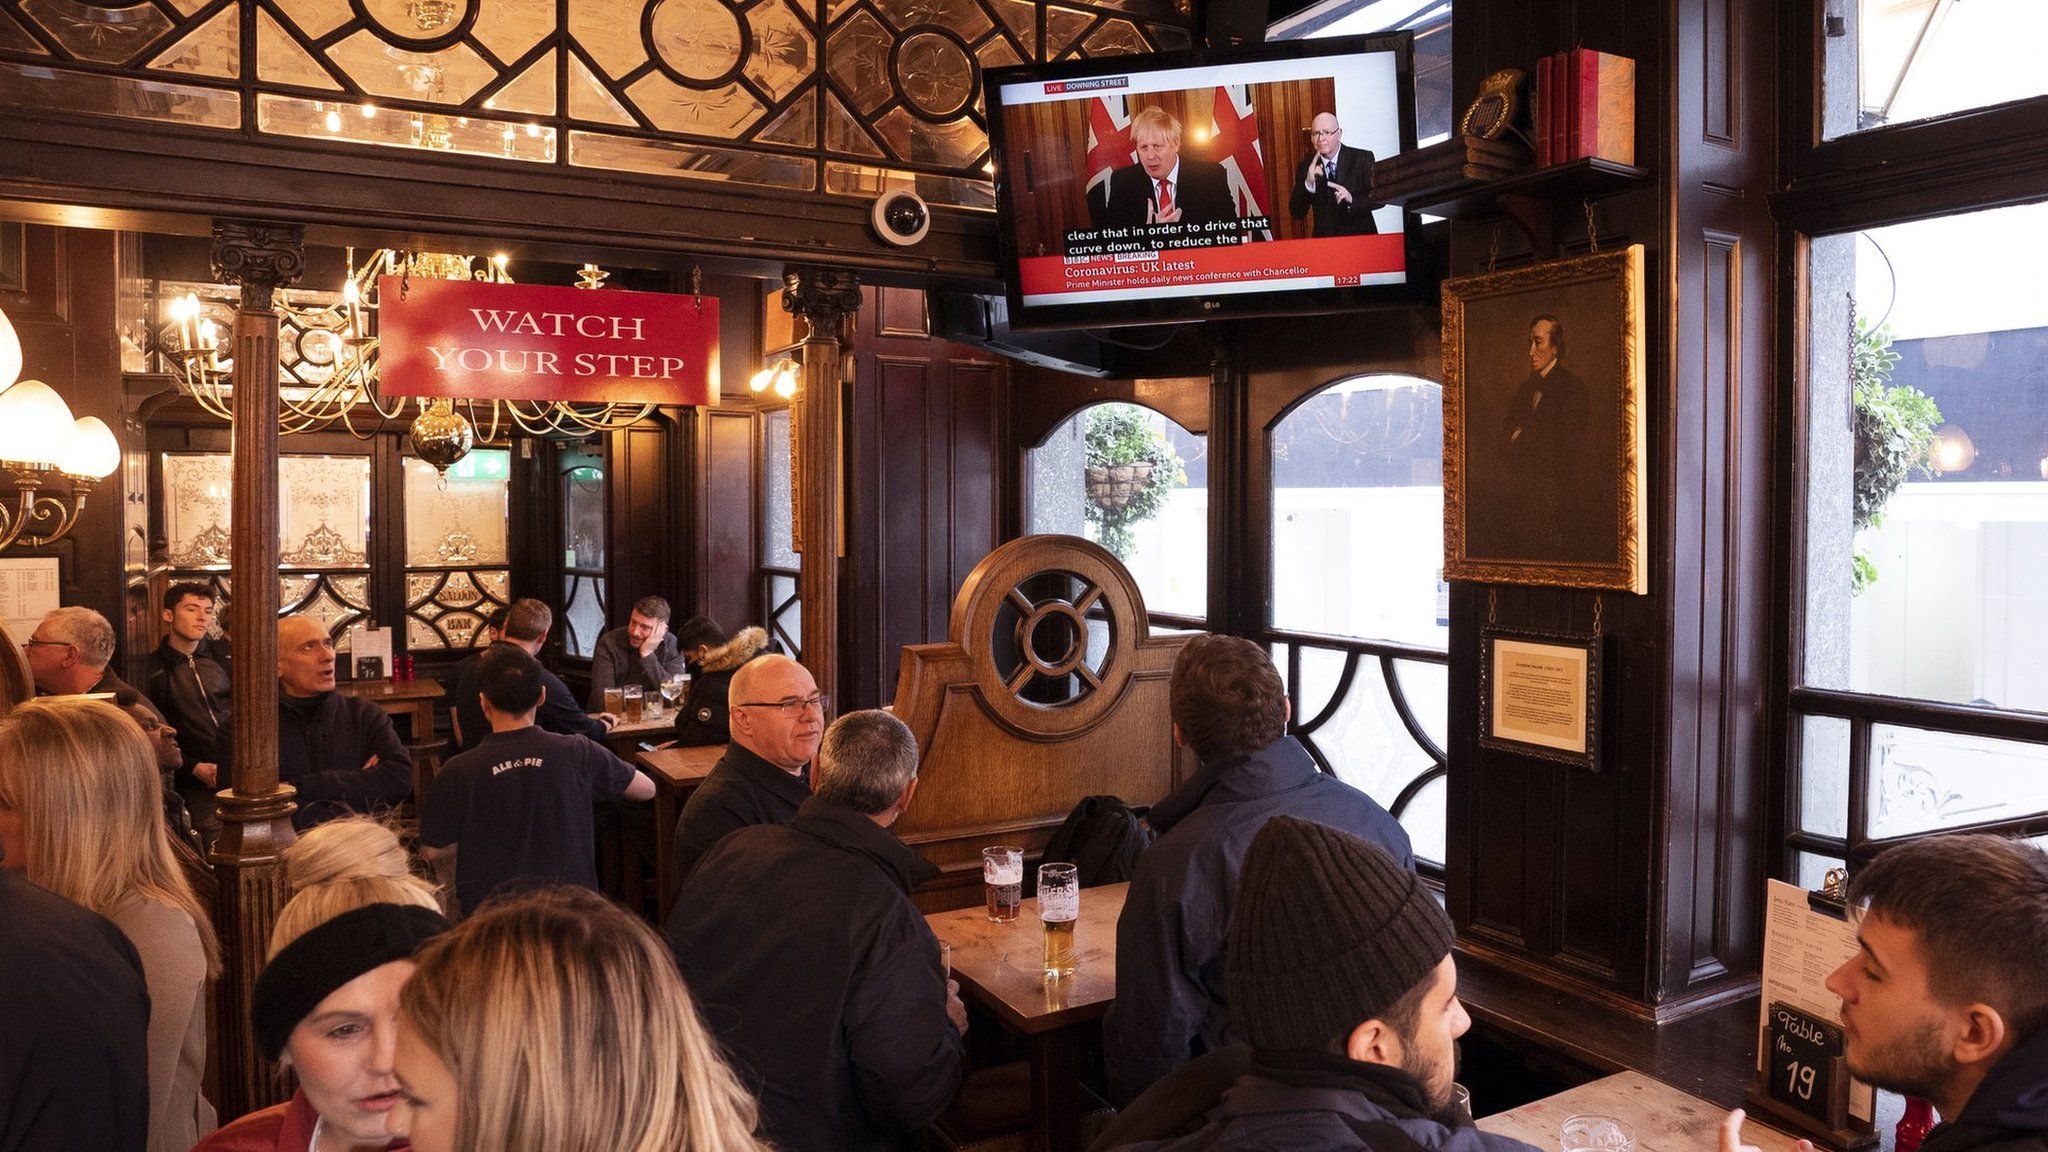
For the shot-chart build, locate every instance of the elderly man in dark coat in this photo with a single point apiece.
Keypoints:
(809, 960)
(1230, 707)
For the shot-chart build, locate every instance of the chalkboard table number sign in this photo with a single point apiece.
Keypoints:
(1806, 1068)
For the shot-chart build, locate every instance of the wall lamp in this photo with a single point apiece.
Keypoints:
(781, 375)
(39, 437)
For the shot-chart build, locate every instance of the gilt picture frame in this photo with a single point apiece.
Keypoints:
(1544, 465)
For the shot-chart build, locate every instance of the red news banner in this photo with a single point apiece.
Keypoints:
(1330, 262)
(468, 339)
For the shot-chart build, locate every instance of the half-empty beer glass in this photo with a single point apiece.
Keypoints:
(1002, 877)
(1059, 907)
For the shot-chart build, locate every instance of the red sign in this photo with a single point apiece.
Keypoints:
(467, 339)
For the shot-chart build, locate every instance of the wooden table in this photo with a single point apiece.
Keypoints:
(676, 773)
(624, 738)
(409, 700)
(1001, 970)
(1665, 1118)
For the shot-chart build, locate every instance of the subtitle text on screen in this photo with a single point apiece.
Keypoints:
(1085, 243)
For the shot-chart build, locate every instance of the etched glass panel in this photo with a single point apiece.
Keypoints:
(511, 30)
(960, 144)
(314, 19)
(1824, 775)
(213, 49)
(38, 86)
(460, 522)
(783, 48)
(591, 100)
(845, 133)
(450, 76)
(429, 131)
(324, 511)
(857, 57)
(1358, 512)
(963, 18)
(778, 531)
(798, 125)
(418, 21)
(935, 73)
(583, 517)
(196, 519)
(282, 60)
(867, 182)
(14, 39)
(1116, 38)
(1426, 688)
(608, 31)
(666, 158)
(103, 35)
(700, 41)
(721, 111)
(532, 92)
(1923, 781)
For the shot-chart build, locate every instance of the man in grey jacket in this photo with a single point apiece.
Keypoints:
(644, 652)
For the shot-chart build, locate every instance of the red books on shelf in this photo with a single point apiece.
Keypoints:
(1600, 104)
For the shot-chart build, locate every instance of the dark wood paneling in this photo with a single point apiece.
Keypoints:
(927, 489)
(643, 490)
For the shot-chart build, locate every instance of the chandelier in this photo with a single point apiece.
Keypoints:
(38, 437)
(336, 365)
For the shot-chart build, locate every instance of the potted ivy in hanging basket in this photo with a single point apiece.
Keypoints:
(1130, 471)
(1895, 432)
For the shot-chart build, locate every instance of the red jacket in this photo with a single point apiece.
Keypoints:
(287, 1127)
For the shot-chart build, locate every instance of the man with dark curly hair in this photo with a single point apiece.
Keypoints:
(1230, 709)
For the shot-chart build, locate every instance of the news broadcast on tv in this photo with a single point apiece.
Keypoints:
(1208, 180)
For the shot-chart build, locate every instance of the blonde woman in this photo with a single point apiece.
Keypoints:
(81, 813)
(556, 1022)
(326, 1005)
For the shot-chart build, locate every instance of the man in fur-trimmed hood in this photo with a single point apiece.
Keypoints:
(713, 658)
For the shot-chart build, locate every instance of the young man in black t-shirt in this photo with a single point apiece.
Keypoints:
(518, 805)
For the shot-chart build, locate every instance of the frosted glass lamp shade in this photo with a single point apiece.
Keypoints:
(35, 424)
(10, 352)
(94, 452)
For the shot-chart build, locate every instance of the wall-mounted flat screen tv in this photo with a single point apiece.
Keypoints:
(1167, 187)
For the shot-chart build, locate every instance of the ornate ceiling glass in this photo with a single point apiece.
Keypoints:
(840, 96)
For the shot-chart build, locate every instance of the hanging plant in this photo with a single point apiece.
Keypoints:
(1894, 426)
(1130, 471)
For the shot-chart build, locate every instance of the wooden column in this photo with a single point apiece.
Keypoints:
(825, 299)
(255, 813)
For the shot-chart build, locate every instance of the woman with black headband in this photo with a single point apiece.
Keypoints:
(326, 1005)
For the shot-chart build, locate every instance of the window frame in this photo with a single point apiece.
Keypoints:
(1966, 161)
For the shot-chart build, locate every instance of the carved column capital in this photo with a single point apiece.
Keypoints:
(824, 297)
(259, 256)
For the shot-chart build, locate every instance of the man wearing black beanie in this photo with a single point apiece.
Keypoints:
(1340, 977)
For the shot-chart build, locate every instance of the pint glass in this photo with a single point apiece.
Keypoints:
(1059, 907)
(635, 702)
(1002, 877)
(615, 701)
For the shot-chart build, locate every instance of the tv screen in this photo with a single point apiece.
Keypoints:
(1143, 189)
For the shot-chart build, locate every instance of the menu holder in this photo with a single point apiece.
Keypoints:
(1803, 1083)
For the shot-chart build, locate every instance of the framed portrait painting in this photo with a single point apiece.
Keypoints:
(1544, 473)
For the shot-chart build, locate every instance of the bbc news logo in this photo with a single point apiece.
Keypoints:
(1094, 84)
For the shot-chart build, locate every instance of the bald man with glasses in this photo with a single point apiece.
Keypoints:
(778, 717)
(1335, 181)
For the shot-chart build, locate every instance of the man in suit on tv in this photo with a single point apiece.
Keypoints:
(1163, 187)
(1336, 181)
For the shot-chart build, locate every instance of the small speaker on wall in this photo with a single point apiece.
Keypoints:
(1228, 22)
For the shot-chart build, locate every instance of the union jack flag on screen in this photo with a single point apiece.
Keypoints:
(1109, 139)
(1237, 149)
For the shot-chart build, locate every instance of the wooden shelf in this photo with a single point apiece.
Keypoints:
(1533, 199)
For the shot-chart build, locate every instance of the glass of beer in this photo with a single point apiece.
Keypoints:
(1002, 877)
(635, 704)
(1059, 906)
(615, 701)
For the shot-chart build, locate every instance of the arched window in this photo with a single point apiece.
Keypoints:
(1359, 608)
(1137, 483)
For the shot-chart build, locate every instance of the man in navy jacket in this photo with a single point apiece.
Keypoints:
(526, 628)
(1231, 709)
(1946, 997)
